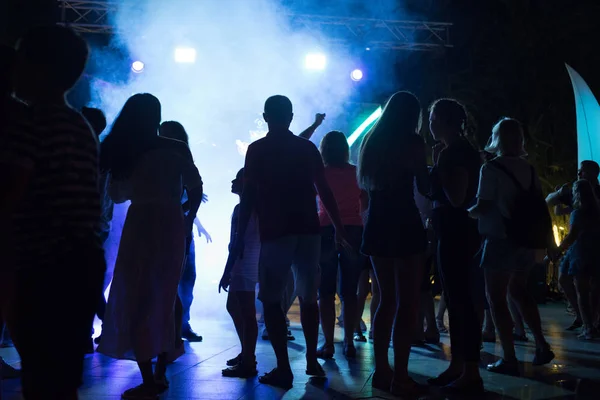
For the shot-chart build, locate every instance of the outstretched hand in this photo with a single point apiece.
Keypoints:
(319, 118)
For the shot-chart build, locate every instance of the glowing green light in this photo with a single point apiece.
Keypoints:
(364, 126)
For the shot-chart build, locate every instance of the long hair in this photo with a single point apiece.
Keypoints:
(174, 130)
(507, 139)
(584, 198)
(452, 114)
(334, 149)
(131, 134)
(383, 153)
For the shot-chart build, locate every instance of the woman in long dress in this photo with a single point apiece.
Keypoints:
(151, 172)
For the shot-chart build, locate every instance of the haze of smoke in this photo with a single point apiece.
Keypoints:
(246, 51)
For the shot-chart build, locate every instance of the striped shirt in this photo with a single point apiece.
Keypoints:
(61, 207)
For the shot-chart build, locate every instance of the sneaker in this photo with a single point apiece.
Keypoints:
(191, 336)
(98, 339)
(8, 372)
(284, 380)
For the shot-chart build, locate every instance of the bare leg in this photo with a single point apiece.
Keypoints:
(309, 317)
(327, 310)
(234, 311)
(384, 320)
(161, 366)
(275, 323)
(441, 312)
(146, 371)
(375, 297)
(361, 298)
(516, 317)
(568, 287)
(517, 290)
(582, 284)
(408, 275)
(496, 283)
(428, 311)
(249, 329)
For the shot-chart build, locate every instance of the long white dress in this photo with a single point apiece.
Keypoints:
(139, 322)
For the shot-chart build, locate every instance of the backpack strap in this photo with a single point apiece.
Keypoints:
(511, 175)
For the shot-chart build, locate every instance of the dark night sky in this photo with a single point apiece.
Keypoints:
(508, 59)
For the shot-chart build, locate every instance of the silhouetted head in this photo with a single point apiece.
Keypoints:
(278, 113)
(384, 153)
(583, 196)
(237, 185)
(447, 119)
(334, 149)
(50, 60)
(139, 118)
(174, 130)
(131, 134)
(589, 170)
(7, 61)
(96, 118)
(507, 139)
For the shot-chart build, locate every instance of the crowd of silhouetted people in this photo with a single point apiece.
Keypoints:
(309, 224)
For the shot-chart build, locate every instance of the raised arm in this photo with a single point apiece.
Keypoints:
(308, 132)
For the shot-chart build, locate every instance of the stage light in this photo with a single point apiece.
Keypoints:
(185, 55)
(315, 61)
(362, 128)
(137, 66)
(356, 75)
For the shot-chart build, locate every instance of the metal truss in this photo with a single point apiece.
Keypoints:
(94, 16)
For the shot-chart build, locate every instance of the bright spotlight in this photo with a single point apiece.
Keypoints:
(356, 75)
(137, 66)
(315, 61)
(185, 55)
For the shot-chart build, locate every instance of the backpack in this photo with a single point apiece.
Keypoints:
(530, 224)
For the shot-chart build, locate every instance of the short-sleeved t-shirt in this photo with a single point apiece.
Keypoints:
(284, 168)
(460, 154)
(62, 203)
(344, 185)
(496, 186)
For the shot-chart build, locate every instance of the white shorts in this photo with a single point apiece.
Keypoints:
(277, 257)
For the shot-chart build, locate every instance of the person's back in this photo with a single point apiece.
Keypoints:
(55, 213)
(159, 174)
(63, 192)
(285, 169)
(499, 187)
(347, 193)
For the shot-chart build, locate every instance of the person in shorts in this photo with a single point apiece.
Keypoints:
(281, 173)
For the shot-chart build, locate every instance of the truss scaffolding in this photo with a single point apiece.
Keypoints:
(95, 16)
